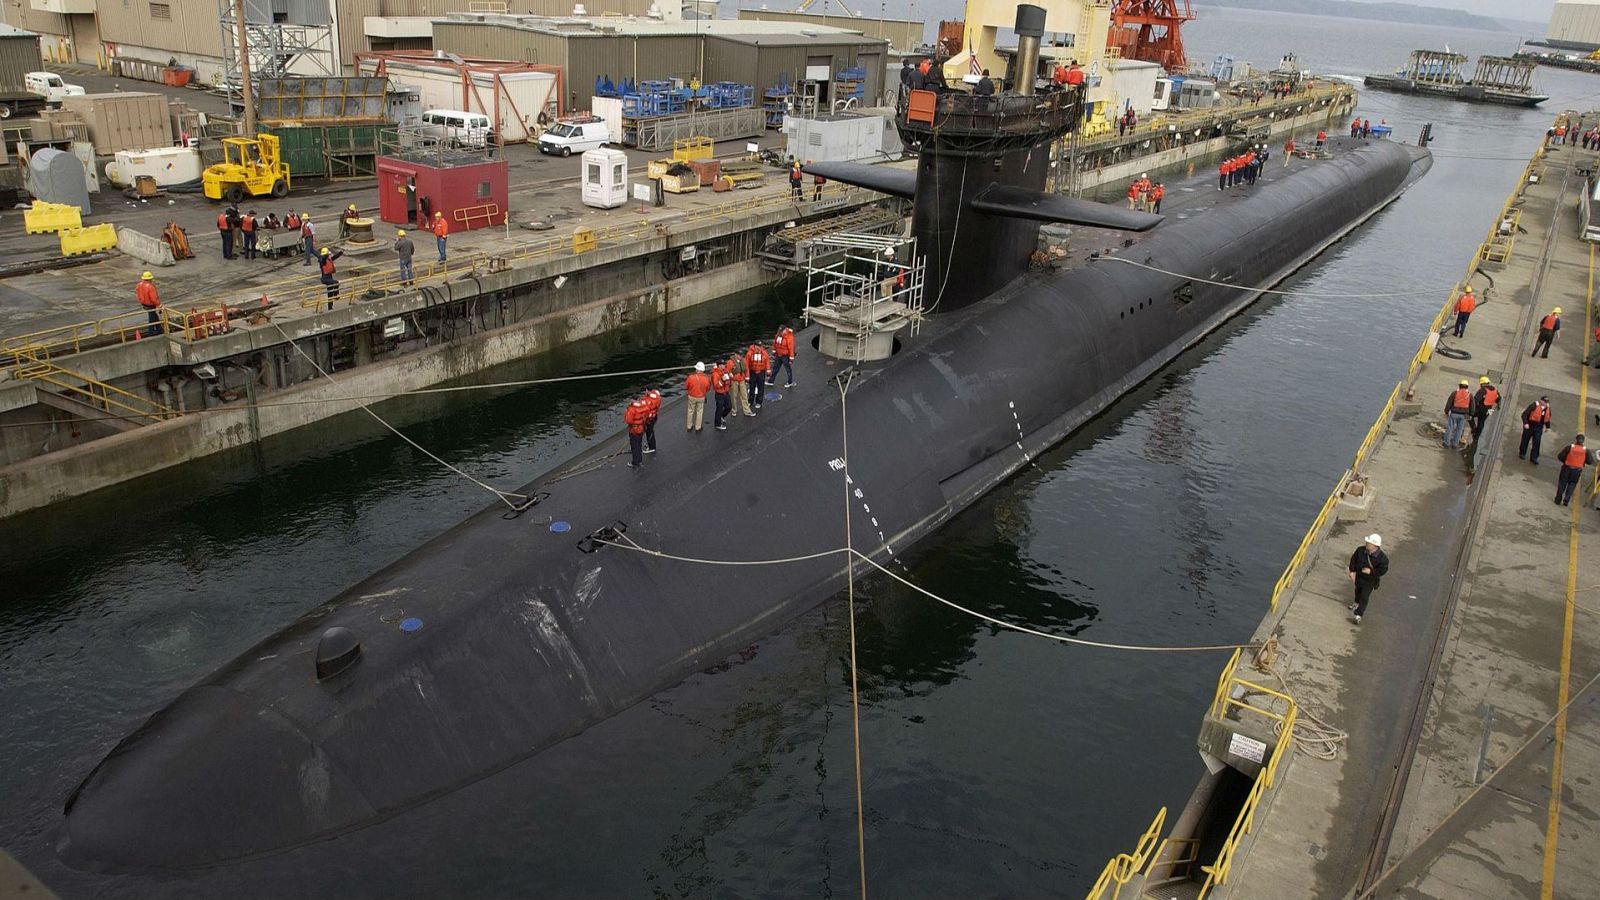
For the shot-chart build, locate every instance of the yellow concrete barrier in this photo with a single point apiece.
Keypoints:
(88, 240)
(43, 217)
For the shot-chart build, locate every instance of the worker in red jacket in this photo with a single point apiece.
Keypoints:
(721, 383)
(696, 386)
(783, 355)
(652, 399)
(637, 413)
(1222, 174)
(1322, 138)
(150, 299)
(757, 361)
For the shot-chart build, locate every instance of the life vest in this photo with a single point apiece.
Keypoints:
(736, 368)
(697, 384)
(652, 401)
(327, 265)
(794, 175)
(1133, 190)
(1059, 76)
(248, 223)
(1540, 414)
(148, 298)
(756, 359)
(1490, 397)
(440, 227)
(1548, 323)
(1467, 303)
(222, 222)
(1575, 456)
(720, 379)
(1074, 76)
(1461, 400)
(306, 230)
(784, 346)
(1157, 192)
(1322, 135)
(291, 222)
(635, 416)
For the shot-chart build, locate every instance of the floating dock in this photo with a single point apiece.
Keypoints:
(1448, 745)
(1501, 80)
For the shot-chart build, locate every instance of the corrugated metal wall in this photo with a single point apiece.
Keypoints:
(732, 61)
(1577, 23)
(18, 56)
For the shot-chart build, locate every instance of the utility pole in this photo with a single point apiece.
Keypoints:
(246, 90)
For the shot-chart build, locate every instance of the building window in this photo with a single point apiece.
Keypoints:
(161, 11)
(483, 187)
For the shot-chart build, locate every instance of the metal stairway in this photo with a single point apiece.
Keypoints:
(81, 395)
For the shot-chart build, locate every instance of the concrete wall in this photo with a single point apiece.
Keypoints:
(111, 460)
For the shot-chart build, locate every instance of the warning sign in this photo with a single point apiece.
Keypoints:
(1247, 747)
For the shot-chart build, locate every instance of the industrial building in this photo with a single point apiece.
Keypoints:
(903, 35)
(748, 52)
(1574, 25)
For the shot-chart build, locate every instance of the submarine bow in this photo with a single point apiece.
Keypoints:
(506, 635)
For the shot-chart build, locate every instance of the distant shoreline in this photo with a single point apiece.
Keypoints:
(1375, 12)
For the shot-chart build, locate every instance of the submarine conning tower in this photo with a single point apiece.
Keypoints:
(968, 146)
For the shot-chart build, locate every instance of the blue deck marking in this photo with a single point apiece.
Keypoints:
(561, 527)
(410, 623)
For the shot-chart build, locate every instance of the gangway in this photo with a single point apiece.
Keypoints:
(862, 299)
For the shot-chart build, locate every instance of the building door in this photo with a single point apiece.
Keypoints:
(819, 70)
(85, 34)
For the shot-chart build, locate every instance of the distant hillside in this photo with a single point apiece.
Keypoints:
(1382, 12)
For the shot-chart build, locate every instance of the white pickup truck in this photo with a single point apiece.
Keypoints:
(50, 86)
(38, 90)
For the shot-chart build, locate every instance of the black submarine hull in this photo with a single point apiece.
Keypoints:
(502, 636)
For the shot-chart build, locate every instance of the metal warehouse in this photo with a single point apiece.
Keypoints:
(748, 52)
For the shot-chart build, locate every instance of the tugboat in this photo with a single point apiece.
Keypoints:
(1503, 80)
(949, 356)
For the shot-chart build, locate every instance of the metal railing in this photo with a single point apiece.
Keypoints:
(98, 394)
(308, 293)
(1124, 866)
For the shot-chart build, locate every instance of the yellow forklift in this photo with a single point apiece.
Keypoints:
(251, 167)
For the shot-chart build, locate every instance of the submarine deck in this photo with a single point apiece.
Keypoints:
(1467, 691)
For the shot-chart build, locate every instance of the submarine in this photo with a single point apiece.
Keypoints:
(517, 629)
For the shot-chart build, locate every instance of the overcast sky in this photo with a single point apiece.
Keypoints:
(1524, 10)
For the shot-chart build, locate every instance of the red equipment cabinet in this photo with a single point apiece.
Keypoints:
(470, 194)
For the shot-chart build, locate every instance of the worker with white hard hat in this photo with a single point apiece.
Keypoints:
(1368, 565)
(696, 386)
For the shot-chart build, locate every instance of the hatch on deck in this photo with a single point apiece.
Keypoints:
(867, 294)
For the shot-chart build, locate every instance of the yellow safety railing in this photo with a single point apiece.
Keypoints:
(1217, 873)
(309, 293)
(98, 394)
(488, 212)
(1124, 866)
(1306, 542)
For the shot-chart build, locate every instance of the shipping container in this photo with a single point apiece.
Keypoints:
(123, 121)
(19, 55)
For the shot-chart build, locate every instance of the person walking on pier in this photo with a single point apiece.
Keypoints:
(441, 230)
(404, 249)
(1593, 358)
(1549, 327)
(652, 402)
(1288, 151)
(783, 355)
(757, 361)
(1355, 127)
(695, 387)
(817, 181)
(1535, 419)
(721, 384)
(1368, 565)
(1483, 403)
(150, 299)
(1322, 139)
(328, 269)
(1574, 457)
(1456, 409)
(634, 417)
(308, 238)
(1464, 307)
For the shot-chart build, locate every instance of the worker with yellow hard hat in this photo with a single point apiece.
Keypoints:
(327, 269)
(404, 249)
(344, 220)
(1549, 327)
(150, 299)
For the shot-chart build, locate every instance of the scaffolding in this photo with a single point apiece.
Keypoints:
(871, 290)
(272, 49)
(1435, 67)
(1504, 73)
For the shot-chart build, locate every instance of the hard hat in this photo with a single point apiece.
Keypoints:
(1557, 309)
(352, 206)
(1144, 174)
(400, 233)
(1483, 379)
(325, 253)
(438, 215)
(1464, 382)
(1468, 289)
(699, 367)
(1375, 539)
(147, 277)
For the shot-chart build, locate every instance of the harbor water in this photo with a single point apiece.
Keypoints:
(994, 763)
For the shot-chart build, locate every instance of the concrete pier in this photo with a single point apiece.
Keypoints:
(1467, 691)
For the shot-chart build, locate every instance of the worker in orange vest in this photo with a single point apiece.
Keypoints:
(740, 396)
(1549, 327)
(327, 268)
(1157, 191)
(1322, 138)
(441, 230)
(150, 299)
(1223, 171)
(1594, 355)
(757, 361)
(1288, 151)
(225, 228)
(696, 386)
(1574, 457)
(1535, 419)
(1456, 409)
(1464, 308)
(1355, 127)
(721, 384)
(783, 355)
(652, 399)
(247, 230)
(1483, 403)
(1074, 75)
(635, 416)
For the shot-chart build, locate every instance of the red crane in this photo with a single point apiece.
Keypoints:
(1151, 30)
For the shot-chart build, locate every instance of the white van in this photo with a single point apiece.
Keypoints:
(50, 86)
(570, 136)
(458, 127)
